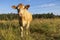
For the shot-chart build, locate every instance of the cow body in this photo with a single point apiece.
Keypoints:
(25, 17)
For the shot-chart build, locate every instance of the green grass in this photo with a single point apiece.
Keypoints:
(40, 29)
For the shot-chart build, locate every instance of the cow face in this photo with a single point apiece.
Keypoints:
(20, 8)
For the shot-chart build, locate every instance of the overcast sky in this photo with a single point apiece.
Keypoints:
(36, 6)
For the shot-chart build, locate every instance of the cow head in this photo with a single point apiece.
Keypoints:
(20, 8)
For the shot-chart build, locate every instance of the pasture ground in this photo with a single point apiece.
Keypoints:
(40, 29)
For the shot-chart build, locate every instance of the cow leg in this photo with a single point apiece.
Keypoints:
(23, 24)
(21, 31)
(27, 28)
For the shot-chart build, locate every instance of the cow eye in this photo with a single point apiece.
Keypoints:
(18, 10)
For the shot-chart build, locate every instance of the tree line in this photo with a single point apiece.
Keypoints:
(12, 16)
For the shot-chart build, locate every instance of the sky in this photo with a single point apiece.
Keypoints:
(36, 6)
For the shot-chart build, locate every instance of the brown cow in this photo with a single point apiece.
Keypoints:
(25, 17)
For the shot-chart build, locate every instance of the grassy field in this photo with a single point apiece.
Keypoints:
(40, 29)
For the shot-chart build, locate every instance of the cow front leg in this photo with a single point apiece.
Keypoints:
(21, 31)
(27, 28)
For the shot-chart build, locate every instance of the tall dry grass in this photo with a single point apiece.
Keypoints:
(40, 29)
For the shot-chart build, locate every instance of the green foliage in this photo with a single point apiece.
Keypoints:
(12, 16)
(48, 15)
(8, 16)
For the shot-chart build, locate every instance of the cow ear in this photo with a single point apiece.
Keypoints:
(27, 6)
(14, 7)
